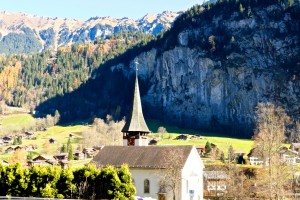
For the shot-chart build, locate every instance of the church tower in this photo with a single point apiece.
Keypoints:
(135, 130)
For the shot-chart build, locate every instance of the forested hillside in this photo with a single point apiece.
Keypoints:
(28, 80)
(208, 72)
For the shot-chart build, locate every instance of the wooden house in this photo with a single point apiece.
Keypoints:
(214, 183)
(182, 137)
(7, 139)
(200, 149)
(62, 156)
(79, 154)
(153, 142)
(295, 147)
(64, 164)
(52, 141)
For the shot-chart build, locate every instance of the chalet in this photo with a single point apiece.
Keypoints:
(32, 163)
(200, 149)
(7, 140)
(150, 164)
(255, 160)
(295, 147)
(214, 183)
(195, 137)
(29, 135)
(79, 154)
(182, 137)
(89, 152)
(153, 142)
(29, 147)
(288, 157)
(52, 141)
(62, 156)
(239, 153)
(64, 164)
(9, 150)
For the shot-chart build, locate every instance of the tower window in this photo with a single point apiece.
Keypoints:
(146, 186)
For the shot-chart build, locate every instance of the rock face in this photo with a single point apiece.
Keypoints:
(194, 87)
(208, 72)
(23, 33)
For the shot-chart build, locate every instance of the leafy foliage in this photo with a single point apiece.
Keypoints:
(88, 182)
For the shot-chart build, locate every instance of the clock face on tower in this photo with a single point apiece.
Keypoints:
(131, 141)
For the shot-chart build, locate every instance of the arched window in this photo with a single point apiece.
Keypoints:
(146, 186)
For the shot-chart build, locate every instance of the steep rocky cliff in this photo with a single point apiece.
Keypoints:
(193, 87)
(212, 68)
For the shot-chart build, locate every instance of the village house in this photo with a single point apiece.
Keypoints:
(288, 157)
(29, 135)
(214, 183)
(52, 141)
(200, 149)
(64, 164)
(182, 137)
(62, 156)
(149, 164)
(42, 160)
(153, 142)
(89, 152)
(7, 139)
(79, 155)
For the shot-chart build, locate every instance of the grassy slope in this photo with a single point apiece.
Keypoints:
(222, 141)
(61, 133)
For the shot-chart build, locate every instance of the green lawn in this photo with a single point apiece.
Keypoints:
(15, 122)
(222, 141)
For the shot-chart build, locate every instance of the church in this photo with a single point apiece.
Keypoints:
(158, 172)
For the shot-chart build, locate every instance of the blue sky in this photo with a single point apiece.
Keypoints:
(84, 9)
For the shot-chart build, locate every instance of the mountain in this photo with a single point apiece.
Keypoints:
(23, 33)
(208, 72)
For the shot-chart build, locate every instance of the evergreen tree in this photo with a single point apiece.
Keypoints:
(64, 149)
(71, 155)
(207, 148)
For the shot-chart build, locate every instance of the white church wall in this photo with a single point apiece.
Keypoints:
(140, 175)
(192, 177)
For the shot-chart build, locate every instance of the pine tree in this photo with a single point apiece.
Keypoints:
(207, 148)
(71, 156)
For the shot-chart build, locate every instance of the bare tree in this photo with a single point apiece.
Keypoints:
(161, 131)
(170, 178)
(103, 132)
(269, 136)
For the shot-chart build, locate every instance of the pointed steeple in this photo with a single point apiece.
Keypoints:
(135, 122)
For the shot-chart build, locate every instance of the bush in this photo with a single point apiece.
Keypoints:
(88, 182)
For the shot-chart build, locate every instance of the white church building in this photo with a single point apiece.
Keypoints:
(159, 172)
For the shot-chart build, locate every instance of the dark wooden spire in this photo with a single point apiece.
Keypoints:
(135, 122)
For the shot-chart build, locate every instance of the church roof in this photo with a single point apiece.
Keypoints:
(152, 157)
(135, 121)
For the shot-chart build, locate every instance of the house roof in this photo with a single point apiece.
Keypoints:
(152, 157)
(239, 152)
(135, 121)
(214, 174)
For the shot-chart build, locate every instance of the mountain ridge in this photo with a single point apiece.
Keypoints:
(46, 32)
(208, 72)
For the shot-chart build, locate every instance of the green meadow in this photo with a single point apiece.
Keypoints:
(18, 122)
